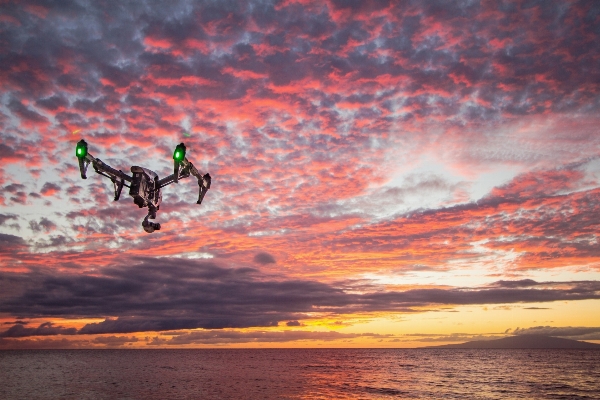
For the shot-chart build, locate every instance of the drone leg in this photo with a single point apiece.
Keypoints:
(175, 171)
(118, 188)
(201, 194)
(204, 184)
(83, 164)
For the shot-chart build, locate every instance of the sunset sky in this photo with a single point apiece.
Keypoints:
(384, 173)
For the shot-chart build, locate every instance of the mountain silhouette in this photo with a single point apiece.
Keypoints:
(523, 342)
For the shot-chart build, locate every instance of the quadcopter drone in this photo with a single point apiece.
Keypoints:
(144, 186)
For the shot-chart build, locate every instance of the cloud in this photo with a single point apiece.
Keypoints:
(45, 329)
(7, 152)
(17, 193)
(43, 225)
(570, 332)
(526, 226)
(228, 337)
(14, 188)
(53, 103)
(114, 341)
(7, 217)
(8, 242)
(453, 337)
(264, 258)
(173, 294)
(39, 343)
(26, 114)
(53, 241)
(50, 189)
(515, 284)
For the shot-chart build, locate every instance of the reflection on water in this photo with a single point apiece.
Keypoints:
(299, 374)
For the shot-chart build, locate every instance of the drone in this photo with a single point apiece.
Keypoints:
(144, 186)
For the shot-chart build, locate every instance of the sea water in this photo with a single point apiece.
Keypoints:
(300, 374)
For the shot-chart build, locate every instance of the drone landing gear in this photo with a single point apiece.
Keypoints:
(118, 184)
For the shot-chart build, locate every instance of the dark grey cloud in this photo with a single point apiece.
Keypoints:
(515, 284)
(358, 5)
(44, 329)
(107, 217)
(172, 294)
(24, 112)
(114, 341)
(53, 241)
(14, 188)
(52, 103)
(264, 258)
(6, 151)
(165, 323)
(17, 193)
(570, 332)
(19, 197)
(43, 224)
(11, 241)
(41, 343)
(7, 217)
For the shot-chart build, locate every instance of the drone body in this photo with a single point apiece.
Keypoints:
(144, 186)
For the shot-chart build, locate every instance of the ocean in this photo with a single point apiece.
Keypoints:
(300, 374)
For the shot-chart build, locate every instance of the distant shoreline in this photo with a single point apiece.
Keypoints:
(522, 342)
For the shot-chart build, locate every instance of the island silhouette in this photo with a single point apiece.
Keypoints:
(522, 342)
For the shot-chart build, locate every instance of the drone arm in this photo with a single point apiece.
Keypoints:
(100, 167)
(167, 180)
(118, 178)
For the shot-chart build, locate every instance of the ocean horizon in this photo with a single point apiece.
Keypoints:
(420, 373)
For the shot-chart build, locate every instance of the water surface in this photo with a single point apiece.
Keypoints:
(300, 374)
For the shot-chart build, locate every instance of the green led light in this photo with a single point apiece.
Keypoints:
(81, 149)
(179, 153)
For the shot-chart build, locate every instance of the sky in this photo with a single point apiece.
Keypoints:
(384, 173)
